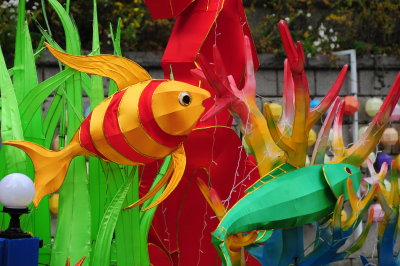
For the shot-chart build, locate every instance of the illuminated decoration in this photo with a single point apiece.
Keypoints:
(53, 202)
(312, 137)
(395, 116)
(351, 105)
(310, 194)
(314, 103)
(390, 136)
(382, 158)
(280, 148)
(397, 160)
(161, 111)
(372, 106)
(199, 25)
(378, 212)
(16, 191)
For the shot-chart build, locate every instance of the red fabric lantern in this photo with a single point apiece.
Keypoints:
(351, 105)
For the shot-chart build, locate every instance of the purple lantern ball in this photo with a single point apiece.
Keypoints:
(380, 159)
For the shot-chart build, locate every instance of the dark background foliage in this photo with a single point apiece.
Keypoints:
(370, 27)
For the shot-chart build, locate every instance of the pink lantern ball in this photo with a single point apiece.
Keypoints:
(390, 136)
(395, 116)
(351, 105)
(378, 212)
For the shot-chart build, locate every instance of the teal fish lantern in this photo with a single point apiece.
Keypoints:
(285, 198)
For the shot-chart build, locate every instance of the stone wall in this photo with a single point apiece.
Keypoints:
(375, 77)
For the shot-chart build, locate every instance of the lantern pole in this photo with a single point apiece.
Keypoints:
(353, 83)
(354, 91)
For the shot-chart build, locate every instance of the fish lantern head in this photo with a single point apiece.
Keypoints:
(336, 176)
(178, 106)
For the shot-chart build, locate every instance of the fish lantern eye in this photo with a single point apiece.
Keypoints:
(348, 170)
(184, 98)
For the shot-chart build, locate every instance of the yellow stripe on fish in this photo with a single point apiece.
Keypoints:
(146, 121)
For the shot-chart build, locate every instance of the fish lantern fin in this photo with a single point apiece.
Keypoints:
(160, 184)
(176, 168)
(179, 164)
(123, 71)
(50, 166)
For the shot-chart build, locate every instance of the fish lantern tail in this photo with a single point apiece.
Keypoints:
(50, 166)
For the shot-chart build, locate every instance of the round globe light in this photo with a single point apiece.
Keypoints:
(390, 136)
(373, 105)
(16, 191)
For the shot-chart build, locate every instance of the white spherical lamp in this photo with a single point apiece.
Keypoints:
(372, 106)
(16, 191)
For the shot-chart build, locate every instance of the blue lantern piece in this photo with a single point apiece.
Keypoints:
(314, 103)
(87, 112)
(380, 159)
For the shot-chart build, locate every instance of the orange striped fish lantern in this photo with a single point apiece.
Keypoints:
(145, 120)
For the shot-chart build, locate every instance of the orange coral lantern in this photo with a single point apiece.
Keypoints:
(351, 105)
(390, 136)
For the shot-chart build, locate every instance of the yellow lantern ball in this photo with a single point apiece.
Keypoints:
(372, 106)
(397, 160)
(390, 136)
(276, 110)
(312, 137)
(53, 203)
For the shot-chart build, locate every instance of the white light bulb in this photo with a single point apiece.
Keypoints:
(16, 191)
